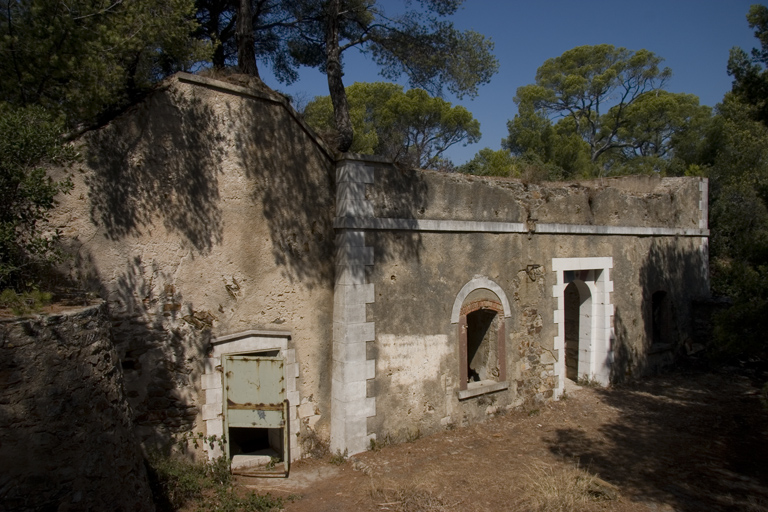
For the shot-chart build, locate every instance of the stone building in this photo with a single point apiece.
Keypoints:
(235, 249)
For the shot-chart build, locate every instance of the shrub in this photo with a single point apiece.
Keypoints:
(29, 139)
(177, 483)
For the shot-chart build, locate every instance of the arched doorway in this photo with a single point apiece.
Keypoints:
(578, 328)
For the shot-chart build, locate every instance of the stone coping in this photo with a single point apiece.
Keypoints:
(251, 332)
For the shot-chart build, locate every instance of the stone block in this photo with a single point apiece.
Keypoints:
(353, 371)
(354, 255)
(355, 172)
(360, 332)
(350, 207)
(350, 274)
(351, 238)
(312, 421)
(348, 391)
(349, 190)
(210, 380)
(210, 364)
(349, 352)
(350, 313)
(354, 294)
(353, 333)
(214, 427)
(212, 411)
(306, 410)
(290, 383)
(214, 395)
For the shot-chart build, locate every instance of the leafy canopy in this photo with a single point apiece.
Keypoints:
(419, 43)
(488, 162)
(83, 57)
(29, 139)
(600, 109)
(750, 76)
(272, 22)
(410, 127)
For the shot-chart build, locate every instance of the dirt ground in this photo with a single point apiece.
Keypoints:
(686, 441)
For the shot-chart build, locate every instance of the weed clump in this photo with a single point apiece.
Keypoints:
(25, 302)
(565, 489)
(177, 482)
(339, 458)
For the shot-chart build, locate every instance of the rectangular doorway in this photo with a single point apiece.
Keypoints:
(256, 414)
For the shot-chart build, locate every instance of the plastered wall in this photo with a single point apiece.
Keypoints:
(432, 233)
(203, 212)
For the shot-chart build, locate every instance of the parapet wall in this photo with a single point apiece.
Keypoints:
(67, 439)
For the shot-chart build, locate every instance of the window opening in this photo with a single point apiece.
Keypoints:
(482, 333)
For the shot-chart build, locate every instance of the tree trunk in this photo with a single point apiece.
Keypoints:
(246, 54)
(335, 74)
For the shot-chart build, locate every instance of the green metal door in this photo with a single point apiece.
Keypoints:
(255, 396)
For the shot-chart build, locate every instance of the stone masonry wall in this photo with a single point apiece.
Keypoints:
(429, 234)
(66, 433)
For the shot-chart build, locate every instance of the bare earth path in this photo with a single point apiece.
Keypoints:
(679, 442)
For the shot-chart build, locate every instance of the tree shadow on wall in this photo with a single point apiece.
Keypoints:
(160, 340)
(294, 181)
(677, 269)
(161, 159)
(399, 194)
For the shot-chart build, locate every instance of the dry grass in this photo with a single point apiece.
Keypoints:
(407, 498)
(565, 489)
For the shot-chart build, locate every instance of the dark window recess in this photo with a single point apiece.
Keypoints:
(482, 336)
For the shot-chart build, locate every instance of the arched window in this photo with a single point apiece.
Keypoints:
(482, 343)
(480, 311)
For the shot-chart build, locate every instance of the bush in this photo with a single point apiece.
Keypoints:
(177, 482)
(29, 139)
(23, 303)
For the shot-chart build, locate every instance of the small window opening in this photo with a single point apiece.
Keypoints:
(482, 336)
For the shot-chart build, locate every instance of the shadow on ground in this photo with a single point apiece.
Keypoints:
(689, 441)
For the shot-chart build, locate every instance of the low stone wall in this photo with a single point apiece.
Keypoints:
(66, 436)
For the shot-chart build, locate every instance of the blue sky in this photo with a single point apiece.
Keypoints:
(694, 38)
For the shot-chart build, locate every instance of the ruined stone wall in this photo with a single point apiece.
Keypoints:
(67, 440)
(205, 211)
(430, 234)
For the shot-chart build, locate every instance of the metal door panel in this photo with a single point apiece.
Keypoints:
(255, 396)
(256, 418)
